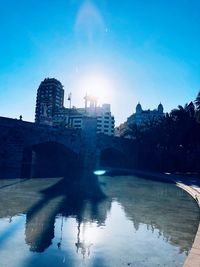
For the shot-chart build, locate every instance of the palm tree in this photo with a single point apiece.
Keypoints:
(131, 131)
(178, 114)
(190, 109)
(197, 102)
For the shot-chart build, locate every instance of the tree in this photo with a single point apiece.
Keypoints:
(190, 109)
(197, 102)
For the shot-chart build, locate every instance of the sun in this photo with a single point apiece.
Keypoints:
(96, 85)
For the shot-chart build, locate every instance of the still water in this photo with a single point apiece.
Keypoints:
(85, 220)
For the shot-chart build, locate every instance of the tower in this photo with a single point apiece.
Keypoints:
(138, 108)
(160, 108)
(50, 98)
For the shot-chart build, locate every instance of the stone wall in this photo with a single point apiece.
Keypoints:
(18, 138)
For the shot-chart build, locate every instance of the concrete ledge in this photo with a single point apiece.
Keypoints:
(193, 260)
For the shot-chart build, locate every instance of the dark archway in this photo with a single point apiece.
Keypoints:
(48, 159)
(112, 157)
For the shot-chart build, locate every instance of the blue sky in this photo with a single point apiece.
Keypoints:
(147, 51)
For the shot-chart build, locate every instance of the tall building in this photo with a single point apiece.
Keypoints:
(50, 98)
(105, 120)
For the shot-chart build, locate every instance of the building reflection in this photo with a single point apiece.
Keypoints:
(84, 202)
(84, 197)
(39, 230)
(82, 245)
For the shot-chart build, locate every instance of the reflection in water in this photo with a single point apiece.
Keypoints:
(82, 244)
(60, 240)
(66, 198)
(85, 220)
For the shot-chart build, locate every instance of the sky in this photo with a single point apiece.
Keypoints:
(126, 52)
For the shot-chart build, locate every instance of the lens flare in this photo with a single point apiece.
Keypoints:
(99, 172)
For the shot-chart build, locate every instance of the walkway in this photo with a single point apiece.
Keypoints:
(193, 260)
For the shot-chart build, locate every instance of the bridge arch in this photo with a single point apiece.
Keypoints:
(47, 159)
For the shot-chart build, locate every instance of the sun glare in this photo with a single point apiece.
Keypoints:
(97, 86)
(90, 233)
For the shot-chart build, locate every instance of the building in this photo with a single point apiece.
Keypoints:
(50, 98)
(51, 111)
(144, 117)
(105, 120)
(74, 117)
(141, 118)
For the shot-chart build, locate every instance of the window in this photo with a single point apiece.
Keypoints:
(77, 121)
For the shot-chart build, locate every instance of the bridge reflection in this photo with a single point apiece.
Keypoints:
(88, 198)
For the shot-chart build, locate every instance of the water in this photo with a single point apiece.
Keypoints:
(81, 221)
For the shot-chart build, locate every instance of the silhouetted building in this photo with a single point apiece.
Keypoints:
(144, 117)
(50, 97)
(141, 118)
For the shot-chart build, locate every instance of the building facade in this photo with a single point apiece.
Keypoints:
(73, 118)
(50, 98)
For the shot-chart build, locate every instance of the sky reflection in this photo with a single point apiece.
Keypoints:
(133, 223)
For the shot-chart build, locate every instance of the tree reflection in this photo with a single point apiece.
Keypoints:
(68, 197)
(88, 199)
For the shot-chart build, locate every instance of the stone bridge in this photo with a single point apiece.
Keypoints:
(31, 150)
